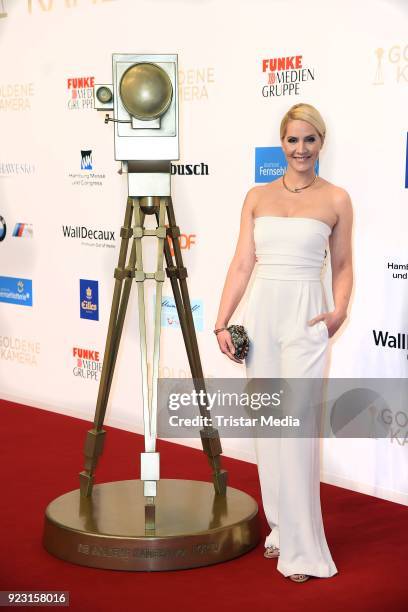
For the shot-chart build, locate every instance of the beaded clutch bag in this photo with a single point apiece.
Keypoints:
(240, 340)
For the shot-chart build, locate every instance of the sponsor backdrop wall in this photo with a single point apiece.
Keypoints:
(62, 200)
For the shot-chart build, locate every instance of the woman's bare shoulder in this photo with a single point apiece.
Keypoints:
(257, 193)
(337, 193)
(340, 200)
(340, 203)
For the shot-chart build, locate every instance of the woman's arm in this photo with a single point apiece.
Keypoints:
(239, 273)
(341, 254)
(341, 263)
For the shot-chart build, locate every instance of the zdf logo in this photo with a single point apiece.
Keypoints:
(186, 241)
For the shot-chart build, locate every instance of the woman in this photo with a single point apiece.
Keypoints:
(285, 226)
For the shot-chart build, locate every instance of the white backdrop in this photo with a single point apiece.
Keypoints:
(358, 55)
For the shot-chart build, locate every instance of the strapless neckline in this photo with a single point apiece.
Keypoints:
(301, 218)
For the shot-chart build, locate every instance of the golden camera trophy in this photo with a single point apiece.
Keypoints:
(151, 523)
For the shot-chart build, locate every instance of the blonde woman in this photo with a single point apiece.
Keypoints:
(285, 227)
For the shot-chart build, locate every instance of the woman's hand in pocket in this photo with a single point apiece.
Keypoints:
(333, 320)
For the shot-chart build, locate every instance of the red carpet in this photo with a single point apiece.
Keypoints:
(41, 455)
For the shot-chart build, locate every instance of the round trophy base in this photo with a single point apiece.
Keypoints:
(192, 526)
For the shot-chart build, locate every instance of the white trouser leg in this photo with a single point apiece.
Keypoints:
(264, 362)
(289, 468)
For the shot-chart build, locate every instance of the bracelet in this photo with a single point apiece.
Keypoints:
(220, 329)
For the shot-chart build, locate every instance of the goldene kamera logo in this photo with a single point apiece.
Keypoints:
(195, 83)
(16, 97)
(391, 65)
(21, 350)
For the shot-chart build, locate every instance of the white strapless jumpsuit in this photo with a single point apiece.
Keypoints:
(286, 293)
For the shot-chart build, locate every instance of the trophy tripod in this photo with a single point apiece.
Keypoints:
(151, 523)
(124, 275)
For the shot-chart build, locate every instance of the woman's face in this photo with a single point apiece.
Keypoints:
(301, 145)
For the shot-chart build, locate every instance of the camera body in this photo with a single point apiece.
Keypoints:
(144, 101)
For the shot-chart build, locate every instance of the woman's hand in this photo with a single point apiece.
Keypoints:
(226, 345)
(333, 320)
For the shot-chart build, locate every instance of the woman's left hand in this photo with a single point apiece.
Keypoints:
(333, 320)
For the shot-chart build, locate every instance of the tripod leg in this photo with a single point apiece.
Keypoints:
(209, 436)
(128, 274)
(95, 437)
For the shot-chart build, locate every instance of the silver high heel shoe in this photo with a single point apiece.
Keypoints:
(299, 577)
(271, 552)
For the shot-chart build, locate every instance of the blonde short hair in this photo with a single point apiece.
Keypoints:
(304, 112)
